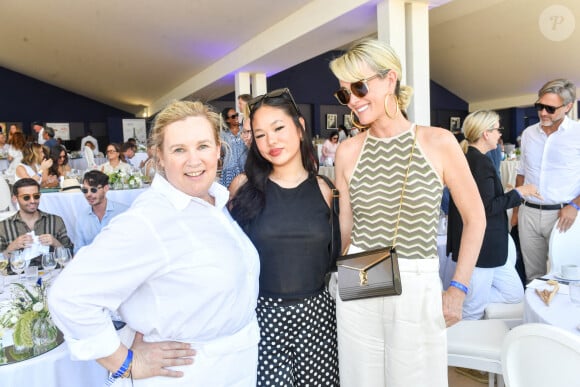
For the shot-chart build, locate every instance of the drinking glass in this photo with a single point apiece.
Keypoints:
(17, 263)
(574, 290)
(48, 263)
(62, 256)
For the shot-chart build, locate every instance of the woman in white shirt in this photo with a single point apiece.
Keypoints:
(185, 276)
(115, 160)
(16, 144)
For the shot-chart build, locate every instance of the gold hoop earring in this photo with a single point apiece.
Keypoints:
(387, 106)
(353, 120)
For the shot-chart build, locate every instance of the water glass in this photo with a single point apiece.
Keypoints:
(574, 290)
(31, 274)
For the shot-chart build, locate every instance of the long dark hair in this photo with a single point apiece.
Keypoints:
(250, 198)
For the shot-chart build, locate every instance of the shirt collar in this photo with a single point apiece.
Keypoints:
(17, 216)
(181, 200)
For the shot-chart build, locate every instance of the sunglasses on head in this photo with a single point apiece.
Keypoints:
(233, 116)
(549, 109)
(26, 197)
(278, 93)
(92, 189)
(359, 88)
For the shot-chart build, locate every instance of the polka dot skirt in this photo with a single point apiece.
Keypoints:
(298, 342)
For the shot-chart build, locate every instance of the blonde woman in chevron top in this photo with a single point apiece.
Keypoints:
(399, 340)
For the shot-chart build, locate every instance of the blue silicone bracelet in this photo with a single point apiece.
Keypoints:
(576, 206)
(121, 370)
(459, 286)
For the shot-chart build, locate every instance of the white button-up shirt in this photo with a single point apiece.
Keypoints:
(552, 163)
(175, 267)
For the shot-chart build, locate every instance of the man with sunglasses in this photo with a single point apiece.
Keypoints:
(550, 159)
(234, 149)
(15, 230)
(91, 220)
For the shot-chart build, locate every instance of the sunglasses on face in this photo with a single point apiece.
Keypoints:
(233, 116)
(284, 93)
(92, 189)
(26, 197)
(549, 109)
(360, 88)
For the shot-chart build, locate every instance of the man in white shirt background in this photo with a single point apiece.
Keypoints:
(89, 137)
(550, 159)
(91, 220)
(39, 129)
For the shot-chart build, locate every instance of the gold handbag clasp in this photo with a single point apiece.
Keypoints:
(363, 278)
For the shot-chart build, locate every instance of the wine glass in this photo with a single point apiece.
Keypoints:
(62, 256)
(48, 263)
(17, 263)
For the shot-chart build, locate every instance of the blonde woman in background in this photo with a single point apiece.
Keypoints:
(399, 340)
(16, 143)
(494, 278)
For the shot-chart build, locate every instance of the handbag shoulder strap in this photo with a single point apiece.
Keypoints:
(404, 186)
(334, 212)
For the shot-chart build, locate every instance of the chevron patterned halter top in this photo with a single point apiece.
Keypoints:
(375, 193)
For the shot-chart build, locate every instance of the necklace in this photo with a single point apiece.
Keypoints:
(289, 183)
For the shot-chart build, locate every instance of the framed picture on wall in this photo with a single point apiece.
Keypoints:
(454, 123)
(347, 121)
(331, 121)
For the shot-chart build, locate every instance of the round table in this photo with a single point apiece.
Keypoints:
(508, 172)
(561, 312)
(51, 369)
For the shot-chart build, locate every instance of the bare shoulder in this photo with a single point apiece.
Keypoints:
(235, 185)
(350, 148)
(434, 136)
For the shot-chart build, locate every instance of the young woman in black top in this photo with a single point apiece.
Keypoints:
(285, 210)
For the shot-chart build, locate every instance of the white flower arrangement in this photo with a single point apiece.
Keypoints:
(123, 180)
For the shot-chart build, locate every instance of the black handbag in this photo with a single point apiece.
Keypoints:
(373, 273)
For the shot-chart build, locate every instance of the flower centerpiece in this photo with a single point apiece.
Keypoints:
(29, 317)
(123, 180)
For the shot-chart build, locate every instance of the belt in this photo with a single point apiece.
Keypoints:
(547, 207)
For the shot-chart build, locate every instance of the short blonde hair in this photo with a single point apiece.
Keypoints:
(180, 110)
(476, 124)
(379, 56)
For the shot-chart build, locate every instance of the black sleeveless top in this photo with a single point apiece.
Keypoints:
(292, 235)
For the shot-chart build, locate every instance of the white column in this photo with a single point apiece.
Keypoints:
(573, 114)
(405, 26)
(242, 85)
(259, 84)
(391, 27)
(417, 67)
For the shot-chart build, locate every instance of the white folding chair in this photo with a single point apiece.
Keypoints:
(563, 247)
(535, 355)
(476, 344)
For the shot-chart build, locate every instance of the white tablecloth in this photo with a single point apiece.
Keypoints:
(82, 163)
(507, 170)
(68, 204)
(561, 312)
(4, 164)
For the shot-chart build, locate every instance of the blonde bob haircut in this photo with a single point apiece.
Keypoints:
(180, 110)
(476, 124)
(377, 55)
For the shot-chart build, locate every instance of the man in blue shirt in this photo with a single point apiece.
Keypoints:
(91, 220)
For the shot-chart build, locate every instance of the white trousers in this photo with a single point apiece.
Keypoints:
(497, 284)
(395, 341)
(535, 227)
